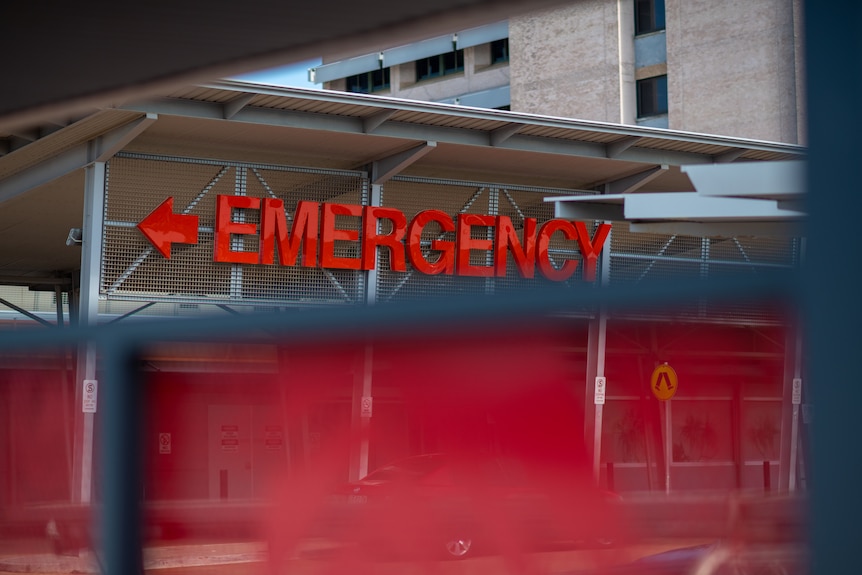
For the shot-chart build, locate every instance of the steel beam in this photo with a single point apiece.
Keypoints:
(23, 311)
(729, 156)
(634, 182)
(383, 170)
(234, 106)
(614, 149)
(500, 135)
(374, 121)
(99, 150)
(721, 229)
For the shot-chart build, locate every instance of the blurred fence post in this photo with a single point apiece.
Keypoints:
(122, 461)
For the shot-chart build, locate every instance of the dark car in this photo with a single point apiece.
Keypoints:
(451, 506)
(717, 558)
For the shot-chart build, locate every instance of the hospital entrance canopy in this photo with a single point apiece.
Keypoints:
(724, 185)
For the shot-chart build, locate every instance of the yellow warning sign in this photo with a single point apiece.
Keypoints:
(664, 382)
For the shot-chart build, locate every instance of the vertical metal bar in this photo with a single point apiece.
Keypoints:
(833, 73)
(362, 384)
(372, 274)
(88, 313)
(58, 296)
(796, 401)
(361, 412)
(668, 443)
(788, 408)
(704, 274)
(238, 242)
(493, 210)
(365, 418)
(601, 338)
(601, 334)
(120, 528)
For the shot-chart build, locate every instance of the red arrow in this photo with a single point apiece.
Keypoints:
(163, 227)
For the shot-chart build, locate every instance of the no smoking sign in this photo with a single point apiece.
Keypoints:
(365, 407)
(164, 442)
(91, 392)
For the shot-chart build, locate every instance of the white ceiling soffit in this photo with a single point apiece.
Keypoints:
(750, 199)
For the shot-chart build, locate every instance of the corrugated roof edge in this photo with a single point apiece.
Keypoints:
(377, 101)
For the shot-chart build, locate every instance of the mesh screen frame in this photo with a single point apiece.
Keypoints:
(130, 273)
(133, 270)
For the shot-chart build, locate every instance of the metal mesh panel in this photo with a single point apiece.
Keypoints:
(413, 195)
(132, 269)
(645, 257)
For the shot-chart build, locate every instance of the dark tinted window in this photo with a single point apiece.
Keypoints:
(440, 65)
(369, 81)
(652, 96)
(649, 16)
(500, 51)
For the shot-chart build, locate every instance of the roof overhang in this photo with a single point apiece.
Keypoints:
(748, 199)
(42, 182)
(77, 59)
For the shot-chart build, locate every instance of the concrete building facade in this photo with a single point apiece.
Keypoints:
(729, 68)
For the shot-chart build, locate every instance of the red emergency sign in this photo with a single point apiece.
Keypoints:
(311, 240)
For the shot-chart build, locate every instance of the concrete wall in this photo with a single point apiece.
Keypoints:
(732, 68)
(478, 75)
(566, 62)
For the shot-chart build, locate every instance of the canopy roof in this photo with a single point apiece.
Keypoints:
(42, 183)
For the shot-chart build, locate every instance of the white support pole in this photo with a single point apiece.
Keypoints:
(362, 412)
(91, 257)
(362, 383)
(601, 334)
(371, 275)
(796, 401)
(599, 404)
(668, 443)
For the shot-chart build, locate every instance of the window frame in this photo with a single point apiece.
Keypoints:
(504, 51)
(655, 84)
(371, 83)
(442, 67)
(649, 16)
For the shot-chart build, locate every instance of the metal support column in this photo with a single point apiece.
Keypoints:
(361, 413)
(362, 383)
(791, 399)
(88, 311)
(596, 384)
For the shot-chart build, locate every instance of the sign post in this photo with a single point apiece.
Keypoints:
(663, 384)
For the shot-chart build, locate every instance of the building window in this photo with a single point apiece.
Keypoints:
(652, 96)
(649, 16)
(500, 51)
(369, 81)
(440, 65)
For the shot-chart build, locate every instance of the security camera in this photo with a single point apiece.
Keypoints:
(75, 237)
